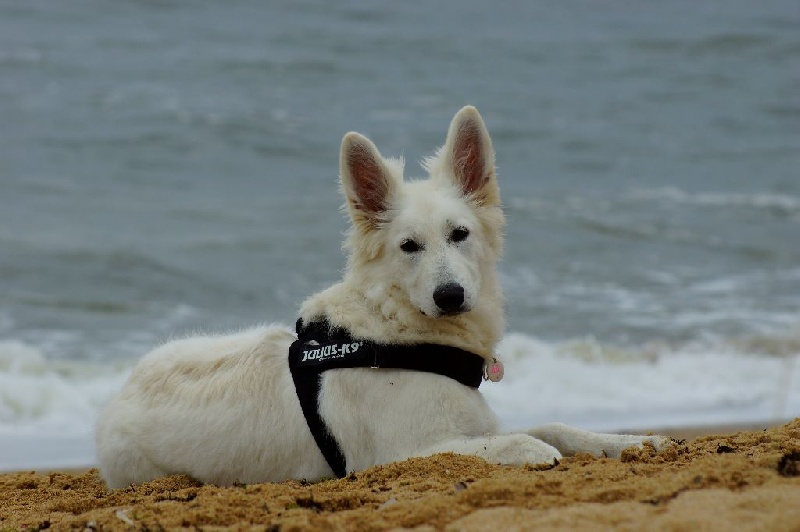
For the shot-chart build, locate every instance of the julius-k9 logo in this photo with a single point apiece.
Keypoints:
(330, 352)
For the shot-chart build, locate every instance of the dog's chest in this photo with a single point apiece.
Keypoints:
(378, 415)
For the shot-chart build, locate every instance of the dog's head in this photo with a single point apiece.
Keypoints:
(432, 242)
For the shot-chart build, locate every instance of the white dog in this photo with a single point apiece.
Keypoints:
(420, 304)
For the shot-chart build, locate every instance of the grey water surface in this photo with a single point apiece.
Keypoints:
(170, 166)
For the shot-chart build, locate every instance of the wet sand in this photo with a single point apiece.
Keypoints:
(746, 480)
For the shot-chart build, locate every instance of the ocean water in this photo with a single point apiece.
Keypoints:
(169, 167)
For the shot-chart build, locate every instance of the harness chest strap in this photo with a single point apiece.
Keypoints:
(319, 348)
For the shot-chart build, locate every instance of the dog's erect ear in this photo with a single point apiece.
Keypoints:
(367, 183)
(469, 155)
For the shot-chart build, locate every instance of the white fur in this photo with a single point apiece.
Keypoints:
(223, 409)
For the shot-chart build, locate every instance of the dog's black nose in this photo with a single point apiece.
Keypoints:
(449, 297)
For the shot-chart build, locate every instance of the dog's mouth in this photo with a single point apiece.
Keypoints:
(439, 313)
(456, 312)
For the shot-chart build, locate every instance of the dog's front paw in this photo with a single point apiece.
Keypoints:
(615, 447)
(659, 443)
(519, 449)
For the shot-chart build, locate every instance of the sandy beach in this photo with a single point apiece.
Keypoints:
(747, 480)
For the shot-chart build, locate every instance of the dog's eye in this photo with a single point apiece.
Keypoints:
(409, 246)
(459, 234)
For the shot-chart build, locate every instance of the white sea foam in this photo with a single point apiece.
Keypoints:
(604, 388)
(39, 394)
(47, 408)
(759, 200)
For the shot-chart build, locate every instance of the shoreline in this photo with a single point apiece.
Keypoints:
(691, 432)
(744, 480)
(685, 432)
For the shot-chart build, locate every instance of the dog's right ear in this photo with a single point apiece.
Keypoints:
(367, 183)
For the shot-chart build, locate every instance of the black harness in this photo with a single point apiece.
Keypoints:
(319, 348)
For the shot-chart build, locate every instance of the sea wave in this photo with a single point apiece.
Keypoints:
(781, 203)
(580, 380)
(604, 387)
(48, 408)
(576, 205)
(37, 393)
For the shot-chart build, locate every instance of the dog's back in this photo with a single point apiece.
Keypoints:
(218, 408)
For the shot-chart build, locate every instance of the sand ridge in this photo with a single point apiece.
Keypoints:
(747, 480)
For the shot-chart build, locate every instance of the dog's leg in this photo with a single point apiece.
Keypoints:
(569, 440)
(506, 449)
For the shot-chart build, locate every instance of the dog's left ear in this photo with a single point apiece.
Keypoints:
(469, 157)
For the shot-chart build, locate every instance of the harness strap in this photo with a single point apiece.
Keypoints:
(307, 386)
(319, 348)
